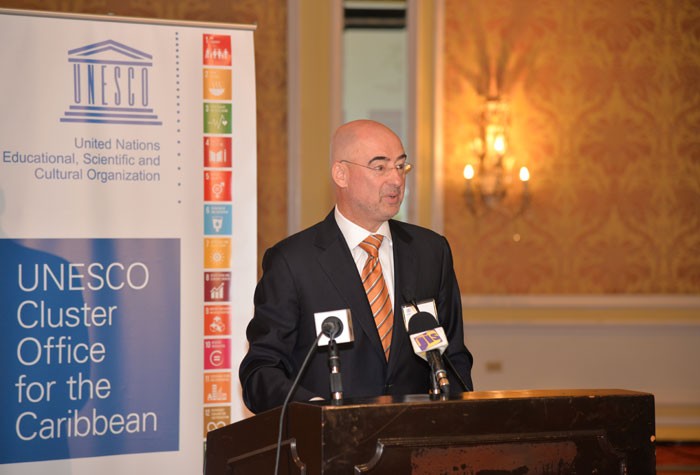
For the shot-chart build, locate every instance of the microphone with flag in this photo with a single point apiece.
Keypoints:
(430, 342)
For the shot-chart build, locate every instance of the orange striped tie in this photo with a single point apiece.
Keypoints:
(377, 292)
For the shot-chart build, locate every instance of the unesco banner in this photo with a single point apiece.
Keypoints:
(127, 239)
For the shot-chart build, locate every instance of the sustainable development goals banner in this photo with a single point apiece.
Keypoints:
(127, 240)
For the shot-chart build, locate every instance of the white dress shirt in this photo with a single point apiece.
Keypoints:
(355, 234)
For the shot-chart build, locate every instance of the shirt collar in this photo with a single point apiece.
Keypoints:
(355, 234)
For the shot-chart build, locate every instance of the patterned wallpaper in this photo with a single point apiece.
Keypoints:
(270, 38)
(605, 113)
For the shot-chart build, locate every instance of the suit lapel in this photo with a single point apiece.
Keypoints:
(337, 262)
(405, 273)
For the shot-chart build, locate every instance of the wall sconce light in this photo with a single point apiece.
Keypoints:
(490, 173)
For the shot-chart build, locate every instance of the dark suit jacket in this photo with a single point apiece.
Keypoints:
(313, 271)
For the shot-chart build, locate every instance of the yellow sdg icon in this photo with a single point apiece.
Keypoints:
(217, 253)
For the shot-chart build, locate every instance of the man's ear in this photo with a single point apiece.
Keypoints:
(339, 173)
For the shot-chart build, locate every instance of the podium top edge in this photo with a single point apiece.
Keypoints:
(479, 396)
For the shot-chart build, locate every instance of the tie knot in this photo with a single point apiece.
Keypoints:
(371, 244)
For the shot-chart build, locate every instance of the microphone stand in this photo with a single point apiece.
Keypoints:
(438, 379)
(335, 378)
(434, 391)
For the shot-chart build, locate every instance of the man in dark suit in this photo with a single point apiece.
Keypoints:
(323, 268)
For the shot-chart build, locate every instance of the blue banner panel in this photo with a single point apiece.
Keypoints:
(90, 347)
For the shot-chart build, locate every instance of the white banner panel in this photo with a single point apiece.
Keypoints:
(127, 239)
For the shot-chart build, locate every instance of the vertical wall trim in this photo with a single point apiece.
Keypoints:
(411, 145)
(438, 218)
(336, 63)
(425, 30)
(294, 118)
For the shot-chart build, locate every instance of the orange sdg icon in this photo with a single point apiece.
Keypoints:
(217, 320)
(217, 387)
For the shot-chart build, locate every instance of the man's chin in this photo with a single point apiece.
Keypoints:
(392, 210)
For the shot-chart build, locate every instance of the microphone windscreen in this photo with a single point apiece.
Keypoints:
(332, 327)
(420, 322)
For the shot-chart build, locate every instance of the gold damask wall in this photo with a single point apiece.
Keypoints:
(270, 38)
(605, 112)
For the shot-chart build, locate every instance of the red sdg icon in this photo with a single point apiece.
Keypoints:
(216, 50)
(217, 152)
(217, 286)
(217, 353)
(217, 185)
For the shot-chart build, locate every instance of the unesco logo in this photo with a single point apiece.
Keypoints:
(110, 85)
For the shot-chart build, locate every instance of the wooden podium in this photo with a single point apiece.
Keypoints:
(480, 433)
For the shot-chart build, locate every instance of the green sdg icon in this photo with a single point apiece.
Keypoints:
(217, 118)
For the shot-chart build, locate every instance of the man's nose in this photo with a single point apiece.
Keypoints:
(395, 175)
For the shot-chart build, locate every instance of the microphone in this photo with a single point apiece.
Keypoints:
(429, 342)
(333, 327)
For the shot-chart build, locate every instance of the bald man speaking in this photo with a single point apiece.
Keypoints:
(357, 258)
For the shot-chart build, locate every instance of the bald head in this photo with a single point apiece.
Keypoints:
(349, 137)
(364, 159)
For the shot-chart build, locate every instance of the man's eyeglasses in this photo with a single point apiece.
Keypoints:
(382, 169)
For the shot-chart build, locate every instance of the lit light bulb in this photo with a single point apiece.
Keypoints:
(524, 174)
(468, 171)
(499, 144)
